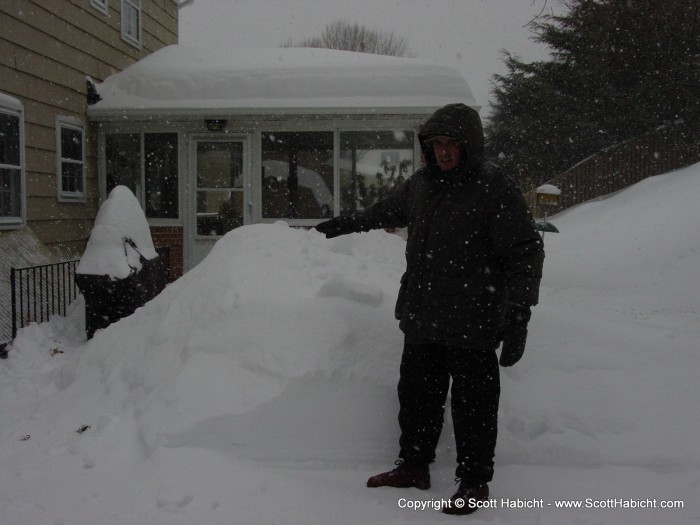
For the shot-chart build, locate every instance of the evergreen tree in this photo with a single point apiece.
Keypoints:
(619, 69)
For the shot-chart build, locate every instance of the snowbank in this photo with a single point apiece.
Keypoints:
(260, 387)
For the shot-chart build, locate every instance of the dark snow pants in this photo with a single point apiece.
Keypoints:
(423, 386)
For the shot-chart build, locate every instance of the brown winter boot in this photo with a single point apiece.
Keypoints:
(405, 475)
(467, 498)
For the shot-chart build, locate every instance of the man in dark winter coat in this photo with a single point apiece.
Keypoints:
(474, 263)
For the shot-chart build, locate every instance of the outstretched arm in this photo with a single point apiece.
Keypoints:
(388, 213)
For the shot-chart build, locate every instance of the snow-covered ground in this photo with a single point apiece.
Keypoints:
(260, 387)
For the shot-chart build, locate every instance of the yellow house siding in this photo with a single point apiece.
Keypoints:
(160, 23)
(72, 32)
(47, 48)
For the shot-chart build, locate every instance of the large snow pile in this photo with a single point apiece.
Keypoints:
(260, 387)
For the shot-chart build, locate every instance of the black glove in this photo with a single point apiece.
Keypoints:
(514, 333)
(337, 226)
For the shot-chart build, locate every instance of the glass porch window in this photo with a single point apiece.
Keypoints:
(123, 161)
(372, 163)
(159, 176)
(219, 187)
(297, 175)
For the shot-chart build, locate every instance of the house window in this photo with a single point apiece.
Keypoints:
(372, 163)
(70, 159)
(147, 164)
(100, 5)
(131, 22)
(297, 175)
(11, 162)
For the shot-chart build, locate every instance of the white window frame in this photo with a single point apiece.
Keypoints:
(131, 35)
(75, 125)
(12, 106)
(101, 5)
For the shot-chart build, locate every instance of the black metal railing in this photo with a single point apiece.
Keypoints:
(39, 292)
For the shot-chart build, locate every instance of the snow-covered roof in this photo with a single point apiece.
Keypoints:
(186, 80)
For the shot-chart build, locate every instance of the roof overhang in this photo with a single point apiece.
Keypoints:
(182, 82)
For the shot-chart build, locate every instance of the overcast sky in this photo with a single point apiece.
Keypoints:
(466, 34)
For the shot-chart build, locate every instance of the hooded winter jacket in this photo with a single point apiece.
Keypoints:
(472, 245)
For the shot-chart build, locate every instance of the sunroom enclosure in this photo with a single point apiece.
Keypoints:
(210, 140)
(212, 182)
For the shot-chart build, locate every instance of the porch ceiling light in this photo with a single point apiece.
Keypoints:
(215, 124)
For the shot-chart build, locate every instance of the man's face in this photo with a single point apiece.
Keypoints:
(448, 152)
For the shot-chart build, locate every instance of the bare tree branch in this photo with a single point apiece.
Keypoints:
(347, 36)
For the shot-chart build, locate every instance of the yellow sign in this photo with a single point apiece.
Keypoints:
(547, 198)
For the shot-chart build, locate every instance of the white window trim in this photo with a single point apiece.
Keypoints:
(125, 6)
(101, 5)
(74, 124)
(12, 106)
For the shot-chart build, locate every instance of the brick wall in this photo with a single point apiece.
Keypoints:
(171, 236)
